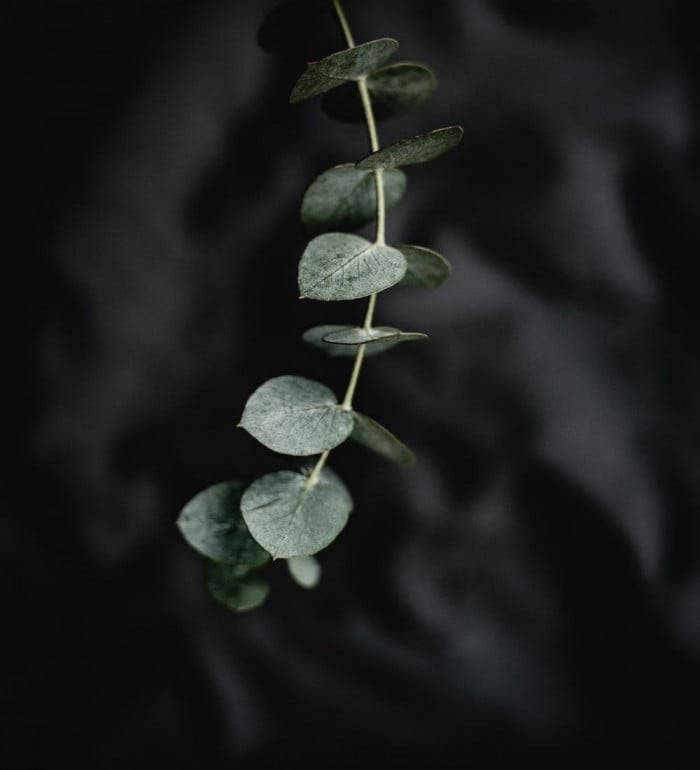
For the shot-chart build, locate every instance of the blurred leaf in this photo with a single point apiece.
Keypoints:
(340, 67)
(393, 89)
(305, 570)
(345, 197)
(416, 149)
(296, 416)
(236, 589)
(290, 519)
(340, 266)
(213, 525)
(376, 437)
(357, 335)
(425, 268)
(315, 335)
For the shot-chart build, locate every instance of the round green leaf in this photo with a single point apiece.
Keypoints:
(357, 335)
(339, 266)
(212, 524)
(425, 268)
(296, 416)
(345, 197)
(394, 89)
(236, 589)
(416, 149)
(305, 570)
(315, 335)
(377, 438)
(338, 68)
(289, 519)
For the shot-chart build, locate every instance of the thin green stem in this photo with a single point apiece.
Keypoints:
(381, 220)
(350, 392)
(344, 23)
(370, 312)
(313, 476)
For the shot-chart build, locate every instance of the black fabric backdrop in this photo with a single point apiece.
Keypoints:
(532, 587)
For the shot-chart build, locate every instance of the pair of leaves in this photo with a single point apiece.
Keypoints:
(345, 197)
(341, 266)
(393, 89)
(316, 336)
(293, 517)
(297, 416)
(337, 69)
(213, 525)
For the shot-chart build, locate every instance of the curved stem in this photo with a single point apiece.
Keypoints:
(381, 223)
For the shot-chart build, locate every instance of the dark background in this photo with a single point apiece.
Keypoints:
(532, 587)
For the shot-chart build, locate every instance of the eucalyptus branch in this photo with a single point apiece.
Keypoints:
(292, 515)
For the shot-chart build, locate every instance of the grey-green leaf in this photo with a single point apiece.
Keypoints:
(416, 149)
(212, 524)
(290, 519)
(425, 268)
(340, 67)
(345, 197)
(394, 89)
(236, 589)
(376, 437)
(357, 335)
(305, 570)
(340, 266)
(315, 335)
(296, 416)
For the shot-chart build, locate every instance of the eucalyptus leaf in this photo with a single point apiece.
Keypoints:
(296, 416)
(415, 149)
(425, 268)
(289, 518)
(340, 67)
(305, 570)
(357, 335)
(212, 524)
(345, 197)
(315, 335)
(236, 589)
(393, 89)
(340, 266)
(376, 437)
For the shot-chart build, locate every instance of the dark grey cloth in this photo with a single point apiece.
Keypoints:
(532, 587)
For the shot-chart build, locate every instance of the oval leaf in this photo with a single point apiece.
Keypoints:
(339, 266)
(296, 416)
(340, 67)
(315, 335)
(394, 89)
(357, 335)
(416, 149)
(236, 589)
(213, 525)
(425, 268)
(377, 438)
(290, 519)
(305, 570)
(345, 197)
